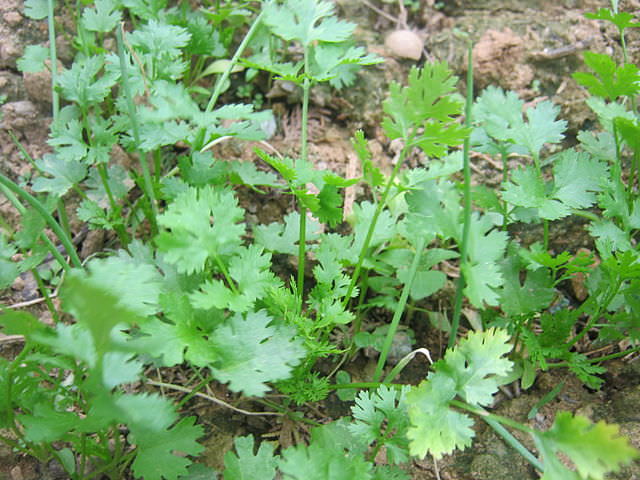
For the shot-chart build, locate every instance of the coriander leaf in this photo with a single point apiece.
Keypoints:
(65, 173)
(68, 138)
(526, 189)
(45, 424)
(600, 145)
(202, 223)
(161, 454)
(370, 172)
(576, 177)
(97, 308)
(496, 111)
(36, 9)
(307, 21)
(103, 18)
(482, 274)
(81, 84)
(610, 81)
(478, 364)
(250, 271)
(622, 20)
(436, 429)
(246, 173)
(160, 39)
(284, 238)
(607, 112)
(534, 296)
(381, 417)
(331, 455)
(473, 370)
(33, 59)
(541, 128)
(252, 352)
(426, 103)
(118, 181)
(594, 449)
(245, 465)
(94, 215)
(135, 284)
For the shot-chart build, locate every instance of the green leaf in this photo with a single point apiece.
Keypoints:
(159, 39)
(36, 9)
(482, 274)
(252, 277)
(65, 174)
(435, 429)
(307, 21)
(594, 449)
(622, 20)
(381, 417)
(161, 454)
(472, 370)
(261, 353)
(426, 103)
(81, 83)
(576, 177)
(203, 223)
(33, 59)
(541, 128)
(610, 81)
(533, 296)
(284, 238)
(103, 18)
(526, 189)
(496, 111)
(333, 454)
(96, 306)
(371, 173)
(245, 465)
(134, 283)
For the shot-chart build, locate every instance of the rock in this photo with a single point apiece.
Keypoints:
(405, 44)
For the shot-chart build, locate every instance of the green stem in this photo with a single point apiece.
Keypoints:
(304, 156)
(45, 295)
(148, 185)
(598, 359)
(457, 305)
(393, 327)
(55, 99)
(47, 241)
(515, 444)
(372, 226)
(119, 226)
(35, 203)
(217, 90)
(226, 275)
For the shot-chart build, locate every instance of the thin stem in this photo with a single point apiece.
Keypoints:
(35, 203)
(372, 226)
(457, 305)
(148, 185)
(393, 327)
(210, 398)
(55, 99)
(119, 226)
(611, 356)
(304, 155)
(45, 294)
(47, 241)
(217, 89)
(515, 443)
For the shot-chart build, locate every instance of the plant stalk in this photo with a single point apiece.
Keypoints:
(393, 327)
(457, 306)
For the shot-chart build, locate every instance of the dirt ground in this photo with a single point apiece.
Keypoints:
(530, 46)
